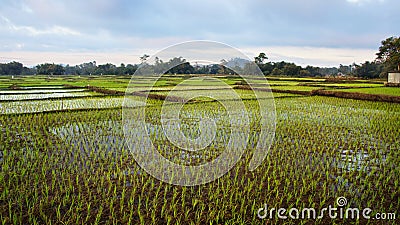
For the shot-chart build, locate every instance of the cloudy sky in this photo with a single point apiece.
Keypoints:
(307, 32)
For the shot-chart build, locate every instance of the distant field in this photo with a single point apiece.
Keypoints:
(120, 83)
(377, 91)
(349, 84)
(296, 79)
(295, 87)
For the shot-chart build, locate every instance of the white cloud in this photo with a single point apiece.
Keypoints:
(359, 2)
(327, 27)
(26, 8)
(20, 45)
(32, 31)
(324, 57)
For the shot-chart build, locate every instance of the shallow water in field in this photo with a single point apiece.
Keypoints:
(44, 87)
(39, 91)
(63, 104)
(37, 96)
(53, 98)
(109, 136)
(358, 160)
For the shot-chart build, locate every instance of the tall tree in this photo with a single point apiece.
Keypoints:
(178, 65)
(260, 58)
(389, 54)
(144, 58)
(130, 69)
(50, 69)
(11, 68)
(87, 68)
(368, 70)
(290, 69)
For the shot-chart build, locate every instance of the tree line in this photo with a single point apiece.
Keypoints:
(91, 68)
(367, 70)
(388, 59)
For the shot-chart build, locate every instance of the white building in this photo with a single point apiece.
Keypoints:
(394, 78)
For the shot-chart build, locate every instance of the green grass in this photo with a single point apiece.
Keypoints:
(377, 91)
(296, 79)
(296, 88)
(244, 94)
(354, 85)
(276, 83)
